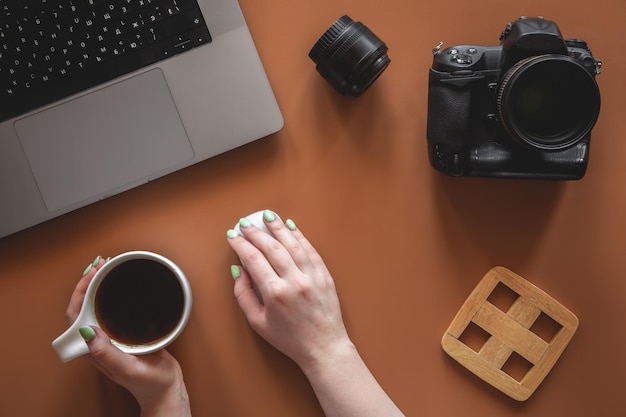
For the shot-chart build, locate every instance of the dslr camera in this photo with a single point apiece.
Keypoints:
(522, 109)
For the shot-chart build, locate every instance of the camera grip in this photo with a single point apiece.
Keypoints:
(448, 120)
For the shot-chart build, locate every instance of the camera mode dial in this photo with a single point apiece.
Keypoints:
(506, 31)
(461, 59)
(576, 43)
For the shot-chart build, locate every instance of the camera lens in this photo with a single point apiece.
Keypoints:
(548, 102)
(349, 56)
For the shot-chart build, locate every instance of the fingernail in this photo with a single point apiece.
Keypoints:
(290, 224)
(107, 259)
(231, 234)
(243, 222)
(235, 271)
(269, 216)
(87, 333)
(96, 261)
(86, 271)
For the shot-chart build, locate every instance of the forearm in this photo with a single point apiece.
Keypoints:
(345, 387)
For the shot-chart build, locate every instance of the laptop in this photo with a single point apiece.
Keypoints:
(130, 90)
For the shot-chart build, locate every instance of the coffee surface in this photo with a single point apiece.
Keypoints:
(139, 302)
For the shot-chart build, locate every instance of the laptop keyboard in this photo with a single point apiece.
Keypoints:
(50, 49)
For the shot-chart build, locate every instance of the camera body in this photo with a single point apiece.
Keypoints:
(521, 109)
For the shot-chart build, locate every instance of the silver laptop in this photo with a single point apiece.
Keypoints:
(200, 94)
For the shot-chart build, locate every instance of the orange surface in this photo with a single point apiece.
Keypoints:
(405, 244)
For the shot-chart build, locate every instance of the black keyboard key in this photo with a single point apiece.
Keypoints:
(178, 24)
(66, 46)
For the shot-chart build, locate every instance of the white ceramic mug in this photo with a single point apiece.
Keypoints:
(132, 289)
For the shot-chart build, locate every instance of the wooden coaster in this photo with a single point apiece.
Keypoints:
(509, 335)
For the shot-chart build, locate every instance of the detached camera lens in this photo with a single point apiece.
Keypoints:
(349, 56)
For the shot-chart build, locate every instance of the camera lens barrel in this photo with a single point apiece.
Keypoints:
(548, 102)
(350, 56)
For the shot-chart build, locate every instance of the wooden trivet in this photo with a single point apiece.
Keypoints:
(509, 332)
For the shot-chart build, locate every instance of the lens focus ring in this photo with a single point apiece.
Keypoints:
(329, 37)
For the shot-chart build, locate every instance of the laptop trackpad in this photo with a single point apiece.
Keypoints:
(105, 141)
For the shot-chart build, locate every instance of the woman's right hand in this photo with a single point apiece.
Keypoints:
(289, 298)
(298, 309)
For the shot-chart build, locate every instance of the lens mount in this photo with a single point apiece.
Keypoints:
(350, 56)
(548, 102)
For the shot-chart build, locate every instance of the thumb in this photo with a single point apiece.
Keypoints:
(103, 354)
(248, 298)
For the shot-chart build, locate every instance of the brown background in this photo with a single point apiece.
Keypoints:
(405, 244)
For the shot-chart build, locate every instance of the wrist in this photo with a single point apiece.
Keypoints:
(332, 358)
(173, 403)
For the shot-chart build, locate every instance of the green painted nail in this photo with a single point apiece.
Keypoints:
(86, 271)
(243, 222)
(107, 259)
(269, 216)
(290, 224)
(96, 261)
(235, 271)
(87, 333)
(232, 234)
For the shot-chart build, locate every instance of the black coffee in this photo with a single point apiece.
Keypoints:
(139, 302)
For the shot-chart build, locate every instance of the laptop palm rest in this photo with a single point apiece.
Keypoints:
(105, 141)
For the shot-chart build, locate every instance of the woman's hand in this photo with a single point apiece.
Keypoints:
(155, 380)
(289, 298)
(286, 292)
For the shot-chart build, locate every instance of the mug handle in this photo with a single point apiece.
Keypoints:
(70, 345)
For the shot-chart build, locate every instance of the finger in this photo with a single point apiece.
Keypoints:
(76, 300)
(314, 257)
(311, 253)
(95, 265)
(271, 249)
(247, 296)
(252, 250)
(286, 237)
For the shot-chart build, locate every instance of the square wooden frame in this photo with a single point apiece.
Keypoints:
(509, 332)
